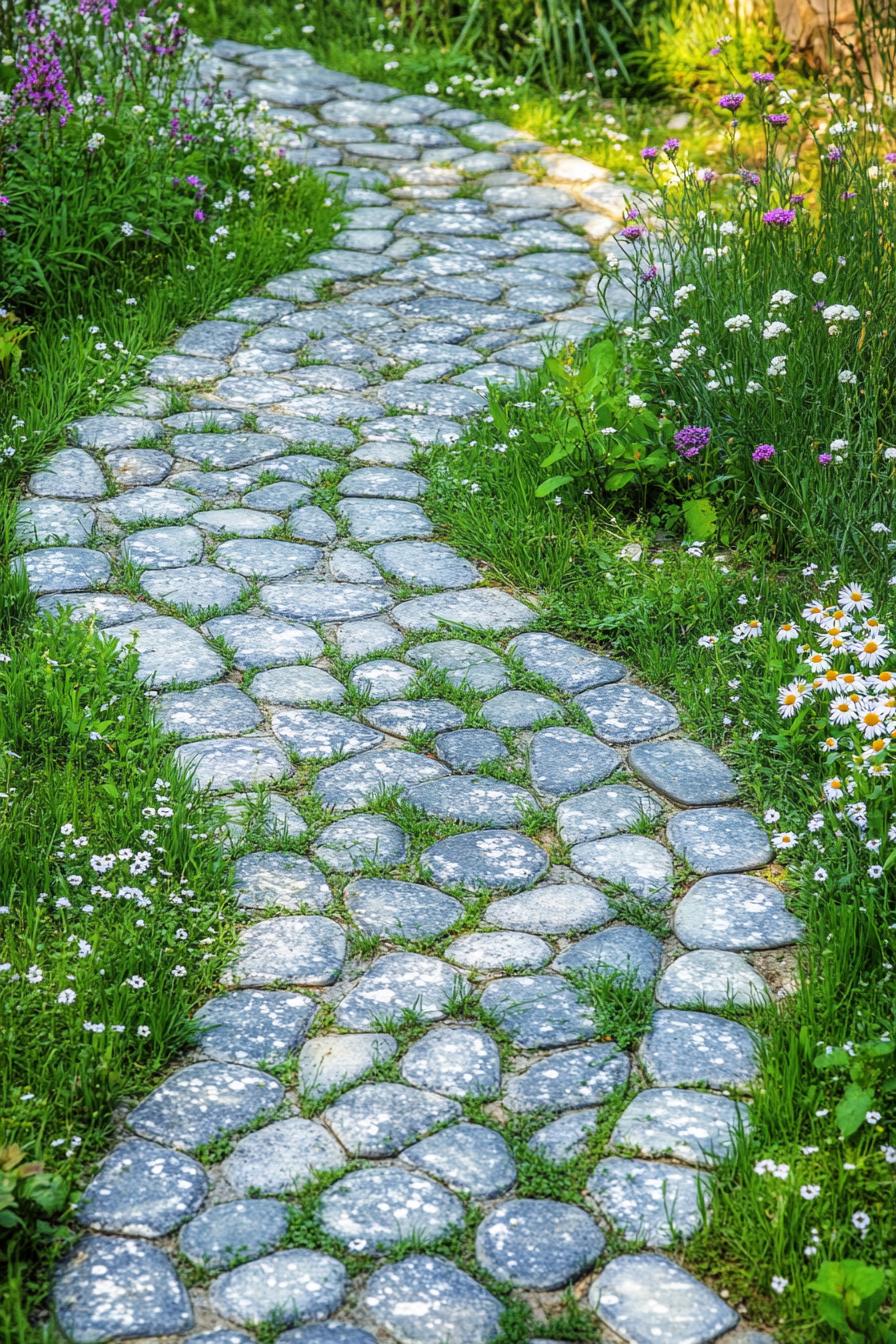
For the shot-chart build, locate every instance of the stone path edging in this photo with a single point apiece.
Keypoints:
(453, 270)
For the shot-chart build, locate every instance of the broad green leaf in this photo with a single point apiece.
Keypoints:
(700, 518)
(552, 484)
(617, 480)
(851, 1110)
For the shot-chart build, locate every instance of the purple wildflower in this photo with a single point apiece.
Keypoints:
(779, 219)
(672, 145)
(749, 178)
(104, 8)
(731, 101)
(777, 118)
(4, 200)
(890, 158)
(632, 233)
(199, 216)
(834, 154)
(764, 452)
(707, 175)
(649, 152)
(797, 198)
(761, 77)
(848, 195)
(825, 459)
(650, 274)
(42, 86)
(690, 439)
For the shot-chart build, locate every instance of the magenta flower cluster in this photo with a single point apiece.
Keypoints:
(691, 439)
(764, 452)
(42, 86)
(731, 101)
(778, 218)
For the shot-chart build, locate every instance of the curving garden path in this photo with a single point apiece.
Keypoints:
(424, 964)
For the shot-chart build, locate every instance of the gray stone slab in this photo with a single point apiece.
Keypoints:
(265, 559)
(455, 1061)
(472, 799)
(379, 1119)
(633, 1292)
(623, 951)
(142, 1190)
(69, 474)
(193, 587)
(351, 784)
(104, 609)
(731, 912)
(463, 663)
(654, 1203)
(634, 862)
(293, 1286)
(491, 860)
(699, 1128)
(520, 709)
(46, 522)
(383, 483)
(157, 503)
(118, 1288)
(114, 431)
(426, 564)
(313, 734)
(564, 1138)
(63, 569)
(184, 370)
(254, 1026)
(224, 451)
(685, 771)
(468, 1158)
(320, 601)
(427, 1300)
(499, 952)
(271, 813)
(719, 840)
(210, 338)
(382, 678)
(711, 979)
(374, 1209)
(278, 497)
(281, 1158)
(349, 566)
(204, 1101)
(259, 641)
(358, 639)
(564, 761)
(688, 1049)
(568, 1079)
(269, 879)
(138, 466)
(311, 523)
(297, 686)
(538, 1243)
(384, 519)
(243, 1229)
(167, 650)
(212, 711)
(329, 1332)
(623, 713)
(467, 748)
(403, 718)
(400, 909)
(555, 908)
(350, 845)
(605, 811)
(226, 763)
(163, 547)
(395, 985)
(296, 949)
(538, 1011)
(235, 522)
(476, 608)
(328, 1062)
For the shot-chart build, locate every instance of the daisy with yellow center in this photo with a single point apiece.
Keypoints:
(871, 652)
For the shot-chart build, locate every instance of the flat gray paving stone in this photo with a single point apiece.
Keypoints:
(566, 1137)
(138, 466)
(142, 1190)
(267, 879)
(350, 784)
(467, 748)
(623, 713)
(490, 860)
(239, 522)
(400, 909)
(685, 771)
(379, 1119)
(118, 1288)
(114, 431)
(710, 979)
(396, 984)
(259, 641)
(328, 1332)
(383, 483)
(426, 564)
(279, 496)
(210, 338)
(684, 1049)
(455, 1061)
(297, 686)
(183, 370)
(476, 608)
(104, 609)
(63, 569)
(719, 840)
(373, 1209)
(266, 559)
(156, 503)
(212, 711)
(520, 709)
(654, 1203)
(254, 1026)
(327, 1062)
(226, 763)
(623, 951)
(311, 523)
(193, 587)
(471, 1159)
(564, 761)
(382, 678)
(499, 952)
(463, 663)
(568, 1079)
(320, 601)
(270, 813)
(224, 451)
(538, 1011)
(427, 1300)
(635, 862)
(69, 474)
(609, 810)
(472, 799)
(699, 1128)
(167, 650)
(402, 718)
(314, 734)
(242, 1229)
(538, 1243)
(734, 912)
(384, 519)
(281, 1158)
(293, 1286)
(46, 522)
(163, 547)
(297, 949)
(567, 666)
(555, 908)
(349, 566)
(204, 1101)
(636, 1295)
(348, 846)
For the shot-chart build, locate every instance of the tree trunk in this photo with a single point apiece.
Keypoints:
(849, 37)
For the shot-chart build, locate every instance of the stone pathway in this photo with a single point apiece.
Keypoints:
(487, 791)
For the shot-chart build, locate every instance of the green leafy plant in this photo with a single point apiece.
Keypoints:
(871, 1067)
(13, 335)
(30, 1196)
(850, 1295)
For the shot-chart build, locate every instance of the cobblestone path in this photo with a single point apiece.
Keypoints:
(476, 791)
